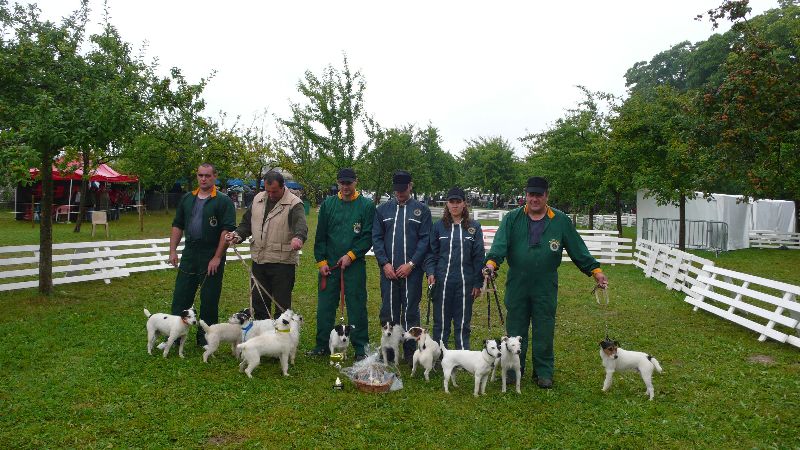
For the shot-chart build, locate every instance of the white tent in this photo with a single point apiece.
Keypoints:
(740, 216)
(773, 215)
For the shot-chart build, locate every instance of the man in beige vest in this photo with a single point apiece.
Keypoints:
(277, 223)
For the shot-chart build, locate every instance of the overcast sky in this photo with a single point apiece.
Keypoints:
(470, 68)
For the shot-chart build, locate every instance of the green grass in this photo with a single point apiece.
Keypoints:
(74, 373)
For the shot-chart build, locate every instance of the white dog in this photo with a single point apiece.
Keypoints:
(427, 352)
(339, 339)
(391, 337)
(277, 344)
(224, 332)
(510, 349)
(254, 328)
(173, 327)
(617, 359)
(478, 363)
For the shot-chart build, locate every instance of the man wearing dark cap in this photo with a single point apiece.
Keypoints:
(532, 238)
(344, 235)
(400, 237)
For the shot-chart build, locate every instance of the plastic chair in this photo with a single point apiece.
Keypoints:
(63, 210)
(99, 218)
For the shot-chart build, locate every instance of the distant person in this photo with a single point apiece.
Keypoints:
(204, 216)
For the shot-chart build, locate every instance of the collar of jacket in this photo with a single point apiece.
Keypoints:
(355, 196)
(213, 191)
(550, 213)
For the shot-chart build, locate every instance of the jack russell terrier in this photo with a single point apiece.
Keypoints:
(173, 327)
(478, 363)
(617, 359)
(391, 337)
(427, 352)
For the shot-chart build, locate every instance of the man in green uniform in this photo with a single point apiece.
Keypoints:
(532, 238)
(344, 235)
(205, 215)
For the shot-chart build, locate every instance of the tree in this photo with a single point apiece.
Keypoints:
(574, 155)
(441, 169)
(395, 149)
(326, 124)
(657, 126)
(753, 114)
(42, 85)
(258, 153)
(490, 165)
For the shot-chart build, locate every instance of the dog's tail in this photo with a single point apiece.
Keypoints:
(147, 313)
(655, 363)
(442, 347)
(204, 325)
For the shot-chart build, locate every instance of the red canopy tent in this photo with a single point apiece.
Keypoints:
(102, 173)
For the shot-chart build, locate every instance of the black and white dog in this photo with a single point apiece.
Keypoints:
(171, 326)
(391, 338)
(340, 339)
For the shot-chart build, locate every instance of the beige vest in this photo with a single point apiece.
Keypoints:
(272, 238)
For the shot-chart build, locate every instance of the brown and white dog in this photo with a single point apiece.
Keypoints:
(427, 352)
(616, 358)
(171, 326)
(391, 338)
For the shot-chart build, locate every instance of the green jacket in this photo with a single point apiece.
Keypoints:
(219, 215)
(528, 262)
(343, 228)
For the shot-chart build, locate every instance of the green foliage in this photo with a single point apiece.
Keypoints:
(395, 149)
(323, 128)
(442, 170)
(491, 166)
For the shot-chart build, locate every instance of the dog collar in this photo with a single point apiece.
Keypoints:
(282, 331)
(246, 329)
(489, 355)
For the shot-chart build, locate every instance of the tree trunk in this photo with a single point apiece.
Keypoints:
(591, 217)
(46, 226)
(682, 224)
(618, 202)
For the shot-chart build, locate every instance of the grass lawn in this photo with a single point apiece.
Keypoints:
(74, 372)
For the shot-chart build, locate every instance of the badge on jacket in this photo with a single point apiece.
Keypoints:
(471, 230)
(212, 221)
(357, 227)
(554, 245)
(417, 212)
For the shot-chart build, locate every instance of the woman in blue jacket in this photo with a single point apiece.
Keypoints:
(454, 268)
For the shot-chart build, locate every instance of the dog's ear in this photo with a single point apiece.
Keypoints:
(616, 343)
(520, 339)
(505, 338)
(339, 329)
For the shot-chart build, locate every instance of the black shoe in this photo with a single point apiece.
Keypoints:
(361, 357)
(544, 383)
(317, 352)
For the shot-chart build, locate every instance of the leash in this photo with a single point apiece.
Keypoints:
(430, 300)
(489, 285)
(200, 287)
(257, 285)
(323, 283)
(603, 301)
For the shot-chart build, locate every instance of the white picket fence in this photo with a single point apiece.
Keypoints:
(765, 306)
(606, 246)
(86, 261)
(774, 239)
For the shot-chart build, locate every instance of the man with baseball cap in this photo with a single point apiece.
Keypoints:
(344, 235)
(400, 237)
(532, 239)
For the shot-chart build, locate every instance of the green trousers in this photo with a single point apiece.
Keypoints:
(191, 275)
(355, 294)
(534, 306)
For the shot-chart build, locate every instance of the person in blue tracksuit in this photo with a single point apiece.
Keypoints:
(454, 268)
(400, 242)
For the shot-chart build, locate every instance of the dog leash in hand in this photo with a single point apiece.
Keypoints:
(323, 283)
(489, 285)
(257, 285)
(597, 296)
(431, 287)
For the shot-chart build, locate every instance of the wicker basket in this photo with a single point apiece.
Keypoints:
(363, 386)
